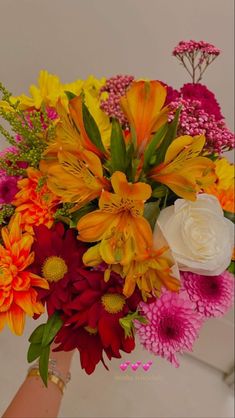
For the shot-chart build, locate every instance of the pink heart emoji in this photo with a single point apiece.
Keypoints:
(123, 367)
(139, 362)
(134, 366)
(146, 366)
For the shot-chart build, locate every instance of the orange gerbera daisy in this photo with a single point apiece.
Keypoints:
(17, 295)
(184, 171)
(37, 206)
(143, 107)
(119, 223)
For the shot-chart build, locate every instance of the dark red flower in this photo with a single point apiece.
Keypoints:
(92, 319)
(197, 91)
(58, 258)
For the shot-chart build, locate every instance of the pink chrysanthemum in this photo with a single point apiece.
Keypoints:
(173, 325)
(213, 295)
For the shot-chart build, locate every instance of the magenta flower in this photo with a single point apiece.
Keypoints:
(207, 99)
(213, 295)
(8, 188)
(173, 325)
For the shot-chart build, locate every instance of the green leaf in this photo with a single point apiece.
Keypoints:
(128, 325)
(231, 267)
(43, 363)
(34, 352)
(151, 212)
(151, 148)
(230, 216)
(78, 214)
(129, 160)
(36, 336)
(91, 128)
(169, 137)
(70, 95)
(159, 191)
(52, 327)
(118, 148)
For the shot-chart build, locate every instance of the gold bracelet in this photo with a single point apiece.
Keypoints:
(51, 377)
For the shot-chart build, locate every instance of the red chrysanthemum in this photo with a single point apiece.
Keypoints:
(92, 319)
(58, 258)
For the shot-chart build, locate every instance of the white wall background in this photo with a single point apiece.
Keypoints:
(75, 38)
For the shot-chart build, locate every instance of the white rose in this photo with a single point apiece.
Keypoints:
(199, 235)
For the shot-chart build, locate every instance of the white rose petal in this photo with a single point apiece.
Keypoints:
(199, 235)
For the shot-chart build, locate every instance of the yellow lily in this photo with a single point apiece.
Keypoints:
(143, 107)
(118, 223)
(184, 171)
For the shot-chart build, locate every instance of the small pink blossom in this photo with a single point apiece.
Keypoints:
(116, 87)
(213, 295)
(173, 325)
(194, 120)
(194, 46)
(195, 56)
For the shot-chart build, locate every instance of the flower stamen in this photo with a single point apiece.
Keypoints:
(54, 269)
(113, 302)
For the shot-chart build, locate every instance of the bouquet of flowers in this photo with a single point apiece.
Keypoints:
(116, 213)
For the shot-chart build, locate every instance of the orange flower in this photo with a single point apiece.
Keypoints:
(76, 178)
(225, 197)
(150, 271)
(75, 108)
(184, 171)
(143, 106)
(36, 206)
(223, 189)
(119, 223)
(17, 295)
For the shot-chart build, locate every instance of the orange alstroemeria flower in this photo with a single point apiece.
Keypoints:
(143, 106)
(150, 271)
(184, 171)
(37, 204)
(75, 108)
(76, 178)
(67, 137)
(17, 294)
(118, 223)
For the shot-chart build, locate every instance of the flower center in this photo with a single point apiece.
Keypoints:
(91, 330)
(113, 302)
(54, 269)
(169, 329)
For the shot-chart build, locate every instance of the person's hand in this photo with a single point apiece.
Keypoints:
(63, 359)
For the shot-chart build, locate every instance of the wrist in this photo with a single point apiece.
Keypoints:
(63, 359)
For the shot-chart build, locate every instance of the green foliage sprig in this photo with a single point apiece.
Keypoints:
(33, 135)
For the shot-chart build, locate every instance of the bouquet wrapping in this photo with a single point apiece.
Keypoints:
(116, 213)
